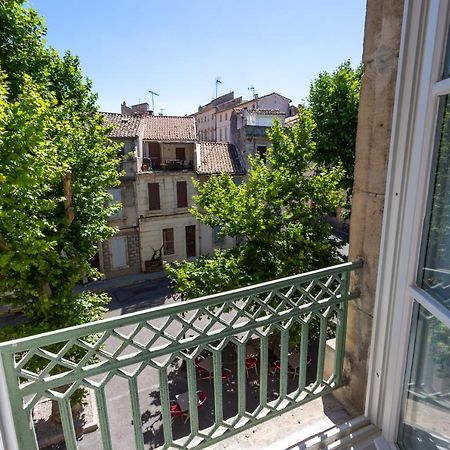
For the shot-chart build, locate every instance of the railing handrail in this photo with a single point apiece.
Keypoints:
(32, 369)
(158, 312)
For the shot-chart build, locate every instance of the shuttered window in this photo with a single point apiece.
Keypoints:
(168, 241)
(182, 194)
(180, 153)
(153, 196)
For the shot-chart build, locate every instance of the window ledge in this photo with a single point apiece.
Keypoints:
(291, 429)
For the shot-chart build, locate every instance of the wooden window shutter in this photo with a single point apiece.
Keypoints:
(153, 196)
(182, 201)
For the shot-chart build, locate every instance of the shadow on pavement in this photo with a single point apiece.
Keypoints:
(177, 374)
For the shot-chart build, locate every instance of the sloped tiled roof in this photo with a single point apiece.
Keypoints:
(123, 125)
(218, 157)
(264, 96)
(169, 128)
(154, 128)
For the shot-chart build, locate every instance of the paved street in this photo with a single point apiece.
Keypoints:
(138, 296)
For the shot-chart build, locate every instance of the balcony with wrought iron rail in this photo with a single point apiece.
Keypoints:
(155, 164)
(206, 355)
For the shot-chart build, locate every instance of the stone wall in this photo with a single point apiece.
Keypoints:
(380, 57)
(133, 255)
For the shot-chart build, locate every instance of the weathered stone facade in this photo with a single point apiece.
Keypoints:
(380, 57)
(133, 255)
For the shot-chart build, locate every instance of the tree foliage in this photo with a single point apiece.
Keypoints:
(276, 212)
(333, 100)
(56, 163)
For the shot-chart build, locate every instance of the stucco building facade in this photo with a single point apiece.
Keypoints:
(161, 159)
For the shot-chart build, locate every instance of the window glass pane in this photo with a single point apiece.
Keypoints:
(116, 198)
(426, 409)
(446, 73)
(434, 271)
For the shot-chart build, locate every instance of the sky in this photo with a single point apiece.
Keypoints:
(177, 48)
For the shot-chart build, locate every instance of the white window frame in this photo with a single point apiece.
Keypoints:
(412, 146)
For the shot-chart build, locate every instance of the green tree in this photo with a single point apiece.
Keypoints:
(56, 163)
(276, 212)
(333, 100)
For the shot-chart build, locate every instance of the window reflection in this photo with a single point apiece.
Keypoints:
(426, 412)
(434, 274)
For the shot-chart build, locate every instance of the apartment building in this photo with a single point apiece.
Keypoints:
(120, 255)
(161, 158)
(213, 120)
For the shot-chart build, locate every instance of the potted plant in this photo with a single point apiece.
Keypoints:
(154, 264)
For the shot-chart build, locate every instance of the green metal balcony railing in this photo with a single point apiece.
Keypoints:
(280, 320)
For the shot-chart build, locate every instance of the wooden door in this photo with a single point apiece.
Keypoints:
(154, 153)
(182, 201)
(190, 241)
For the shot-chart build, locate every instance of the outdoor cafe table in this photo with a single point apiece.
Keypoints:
(183, 401)
(207, 364)
(252, 349)
(294, 360)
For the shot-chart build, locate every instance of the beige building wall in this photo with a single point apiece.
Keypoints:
(152, 222)
(168, 150)
(151, 235)
(167, 192)
(207, 121)
(208, 240)
(381, 50)
(126, 222)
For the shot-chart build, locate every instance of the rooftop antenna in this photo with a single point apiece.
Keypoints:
(217, 84)
(153, 93)
(252, 88)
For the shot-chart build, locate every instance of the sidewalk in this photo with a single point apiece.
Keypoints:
(123, 281)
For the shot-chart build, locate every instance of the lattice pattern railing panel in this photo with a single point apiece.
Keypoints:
(278, 319)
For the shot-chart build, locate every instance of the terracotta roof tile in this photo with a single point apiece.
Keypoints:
(123, 125)
(218, 157)
(169, 128)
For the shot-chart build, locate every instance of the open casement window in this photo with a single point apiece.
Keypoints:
(409, 391)
(116, 198)
(426, 406)
(168, 241)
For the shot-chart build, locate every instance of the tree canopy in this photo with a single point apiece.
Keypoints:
(276, 213)
(333, 100)
(56, 163)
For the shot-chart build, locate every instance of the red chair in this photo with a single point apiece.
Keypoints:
(201, 398)
(251, 363)
(206, 375)
(226, 374)
(175, 411)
